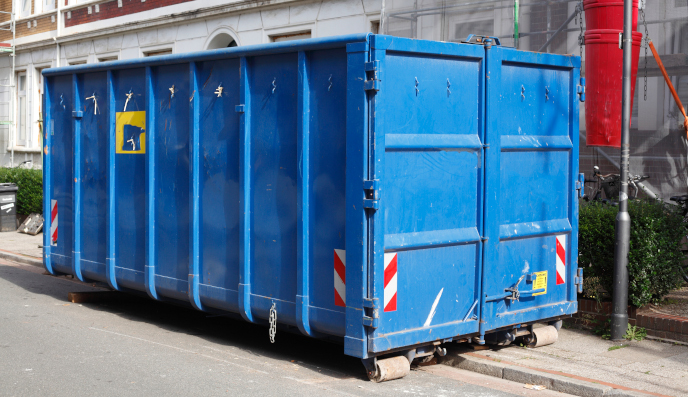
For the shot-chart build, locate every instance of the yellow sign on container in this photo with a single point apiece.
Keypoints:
(130, 133)
(540, 282)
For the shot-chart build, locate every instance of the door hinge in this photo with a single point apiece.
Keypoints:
(77, 114)
(373, 73)
(579, 185)
(372, 194)
(581, 89)
(370, 322)
(372, 304)
(578, 280)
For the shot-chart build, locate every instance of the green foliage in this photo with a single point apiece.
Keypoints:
(30, 193)
(635, 333)
(617, 347)
(603, 328)
(655, 255)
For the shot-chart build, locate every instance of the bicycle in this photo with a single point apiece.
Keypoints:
(609, 183)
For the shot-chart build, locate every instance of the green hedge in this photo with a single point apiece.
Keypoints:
(655, 255)
(30, 193)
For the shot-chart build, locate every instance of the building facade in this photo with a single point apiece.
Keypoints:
(73, 32)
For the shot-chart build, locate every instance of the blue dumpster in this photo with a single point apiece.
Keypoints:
(394, 194)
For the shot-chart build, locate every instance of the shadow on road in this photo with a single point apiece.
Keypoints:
(328, 357)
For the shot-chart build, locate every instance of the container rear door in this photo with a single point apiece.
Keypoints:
(531, 209)
(426, 164)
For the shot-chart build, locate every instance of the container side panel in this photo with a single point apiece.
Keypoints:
(172, 177)
(94, 188)
(328, 175)
(62, 170)
(429, 109)
(534, 189)
(130, 177)
(274, 166)
(530, 186)
(220, 189)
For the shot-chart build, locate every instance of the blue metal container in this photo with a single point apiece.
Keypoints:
(389, 192)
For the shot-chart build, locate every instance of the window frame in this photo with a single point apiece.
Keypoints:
(19, 117)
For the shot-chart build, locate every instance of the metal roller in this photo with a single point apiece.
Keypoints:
(543, 336)
(390, 368)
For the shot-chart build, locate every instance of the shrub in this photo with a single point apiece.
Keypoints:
(30, 184)
(655, 257)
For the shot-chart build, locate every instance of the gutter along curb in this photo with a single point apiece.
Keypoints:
(19, 258)
(552, 380)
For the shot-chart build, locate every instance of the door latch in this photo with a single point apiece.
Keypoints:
(513, 294)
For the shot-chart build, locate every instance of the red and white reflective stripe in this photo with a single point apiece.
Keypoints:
(561, 259)
(340, 278)
(390, 282)
(53, 222)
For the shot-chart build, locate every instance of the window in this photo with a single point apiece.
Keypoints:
(156, 53)
(38, 106)
(21, 109)
(221, 40)
(374, 27)
(108, 58)
(24, 8)
(77, 62)
(291, 36)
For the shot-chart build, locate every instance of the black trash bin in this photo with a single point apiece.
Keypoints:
(8, 207)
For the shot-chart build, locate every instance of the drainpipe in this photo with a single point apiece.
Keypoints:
(623, 219)
(58, 21)
(516, 23)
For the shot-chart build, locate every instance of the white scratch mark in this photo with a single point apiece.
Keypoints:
(433, 309)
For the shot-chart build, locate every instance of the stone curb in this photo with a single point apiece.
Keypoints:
(27, 260)
(516, 373)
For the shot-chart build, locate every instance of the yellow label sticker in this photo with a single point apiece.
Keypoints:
(540, 282)
(130, 133)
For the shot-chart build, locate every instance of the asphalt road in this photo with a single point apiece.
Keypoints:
(135, 346)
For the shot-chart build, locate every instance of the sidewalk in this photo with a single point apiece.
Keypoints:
(23, 248)
(587, 363)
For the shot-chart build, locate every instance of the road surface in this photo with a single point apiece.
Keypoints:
(135, 346)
